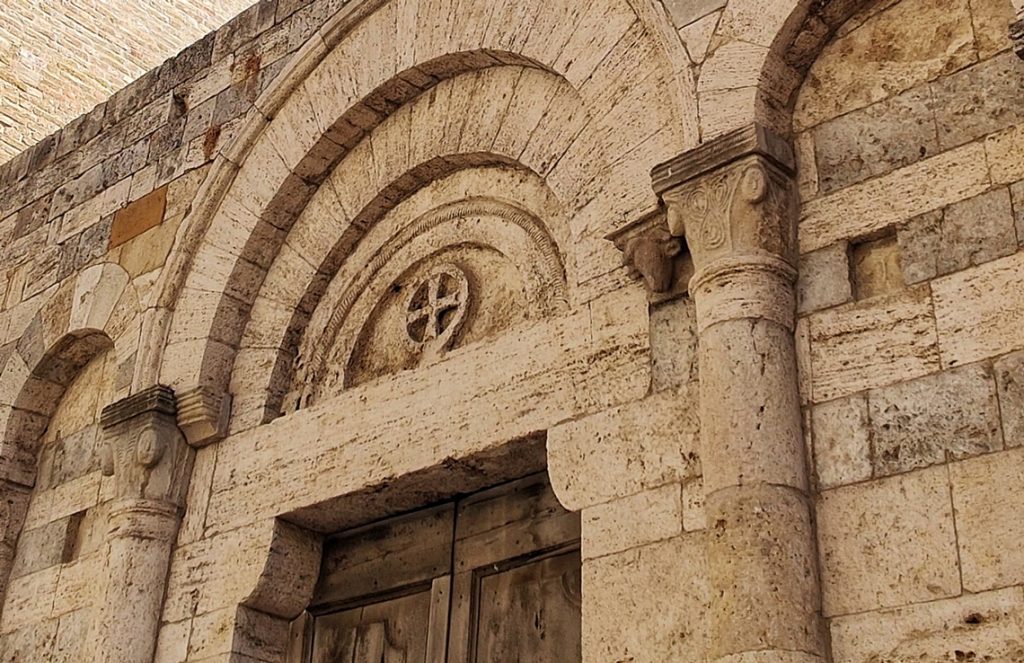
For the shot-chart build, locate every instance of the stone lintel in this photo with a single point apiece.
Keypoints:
(203, 414)
(752, 140)
(157, 399)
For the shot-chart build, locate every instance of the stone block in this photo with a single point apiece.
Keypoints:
(842, 444)
(979, 311)
(973, 627)
(1010, 383)
(990, 519)
(673, 344)
(907, 44)
(632, 448)
(172, 642)
(979, 100)
(875, 140)
(46, 546)
(29, 600)
(875, 267)
(872, 343)
(33, 641)
(632, 521)
(824, 279)
(964, 234)
(976, 231)
(696, 36)
(685, 12)
(73, 643)
(887, 543)
(920, 243)
(138, 217)
(927, 421)
(666, 621)
(1005, 152)
(874, 205)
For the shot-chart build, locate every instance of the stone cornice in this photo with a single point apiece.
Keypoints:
(752, 140)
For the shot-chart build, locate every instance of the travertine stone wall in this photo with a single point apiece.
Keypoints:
(239, 223)
(59, 59)
(909, 134)
(53, 591)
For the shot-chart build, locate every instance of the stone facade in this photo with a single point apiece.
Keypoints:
(743, 276)
(58, 59)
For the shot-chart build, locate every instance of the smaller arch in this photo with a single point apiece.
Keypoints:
(82, 319)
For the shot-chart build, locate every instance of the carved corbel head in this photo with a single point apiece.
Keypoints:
(652, 257)
(143, 449)
(653, 254)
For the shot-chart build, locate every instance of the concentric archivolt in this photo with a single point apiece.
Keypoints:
(468, 227)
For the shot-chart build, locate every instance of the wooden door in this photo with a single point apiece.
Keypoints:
(492, 578)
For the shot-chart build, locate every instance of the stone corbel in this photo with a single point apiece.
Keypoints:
(144, 450)
(203, 415)
(657, 257)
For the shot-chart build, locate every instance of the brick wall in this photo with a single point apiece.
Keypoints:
(59, 58)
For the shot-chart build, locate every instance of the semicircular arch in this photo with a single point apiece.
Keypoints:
(322, 107)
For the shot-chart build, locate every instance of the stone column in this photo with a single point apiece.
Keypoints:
(150, 462)
(733, 200)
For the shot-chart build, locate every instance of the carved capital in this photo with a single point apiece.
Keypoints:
(143, 449)
(654, 255)
(203, 414)
(732, 196)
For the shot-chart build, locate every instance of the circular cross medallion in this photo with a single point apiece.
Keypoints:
(437, 308)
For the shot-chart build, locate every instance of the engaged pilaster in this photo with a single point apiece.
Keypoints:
(734, 202)
(150, 461)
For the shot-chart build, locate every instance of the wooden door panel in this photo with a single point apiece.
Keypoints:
(393, 631)
(382, 557)
(492, 578)
(531, 613)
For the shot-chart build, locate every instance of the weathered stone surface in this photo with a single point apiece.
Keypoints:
(875, 556)
(875, 267)
(138, 217)
(927, 421)
(977, 627)
(965, 234)
(673, 344)
(913, 42)
(842, 442)
(1009, 372)
(874, 205)
(658, 434)
(875, 140)
(667, 621)
(973, 325)
(619, 525)
(962, 114)
(873, 343)
(824, 279)
(988, 519)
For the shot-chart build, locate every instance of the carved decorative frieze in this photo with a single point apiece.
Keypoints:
(143, 449)
(203, 415)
